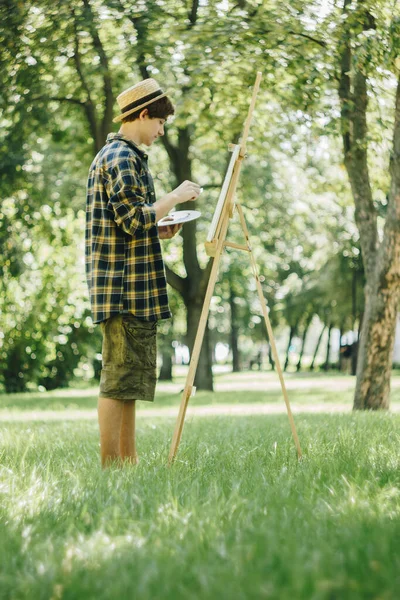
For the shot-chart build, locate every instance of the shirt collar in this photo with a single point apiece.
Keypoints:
(118, 136)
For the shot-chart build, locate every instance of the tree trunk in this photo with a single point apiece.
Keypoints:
(291, 334)
(381, 259)
(234, 331)
(354, 354)
(382, 293)
(317, 348)
(270, 357)
(303, 343)
(328, 349)
(354, 357)
(192, 287)
(166, 367)
(204, 378)
(341, 358)
(375, 351)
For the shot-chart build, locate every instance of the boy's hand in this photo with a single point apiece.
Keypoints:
(188, 190)
(167, 232)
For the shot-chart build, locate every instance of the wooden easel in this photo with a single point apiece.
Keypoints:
(216, 242)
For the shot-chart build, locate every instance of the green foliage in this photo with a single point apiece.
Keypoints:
(44, 319)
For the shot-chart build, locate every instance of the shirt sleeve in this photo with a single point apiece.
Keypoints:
(127, 198)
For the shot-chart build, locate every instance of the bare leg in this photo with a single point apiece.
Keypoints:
(110, 418)
(127, 440)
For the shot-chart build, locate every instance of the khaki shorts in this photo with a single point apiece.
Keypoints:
(129, 356)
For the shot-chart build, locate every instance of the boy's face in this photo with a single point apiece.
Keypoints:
(151, 128)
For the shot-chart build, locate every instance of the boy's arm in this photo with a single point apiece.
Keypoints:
(184, 192)
(127, 198)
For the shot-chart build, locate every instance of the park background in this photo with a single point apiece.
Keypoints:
(237, 516)
(62, 67)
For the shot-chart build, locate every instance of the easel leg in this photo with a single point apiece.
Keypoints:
(198, 343)
(270, 332)
(220, 234)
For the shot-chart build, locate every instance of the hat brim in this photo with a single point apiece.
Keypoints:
(129, 112)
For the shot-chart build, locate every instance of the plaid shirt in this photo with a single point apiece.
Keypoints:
(124, 265)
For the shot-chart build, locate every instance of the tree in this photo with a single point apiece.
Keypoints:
(61, 64)
(381, 257)
(364, 64)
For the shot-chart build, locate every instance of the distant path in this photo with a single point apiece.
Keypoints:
(234, 410)
(252, 381)
(249, 381)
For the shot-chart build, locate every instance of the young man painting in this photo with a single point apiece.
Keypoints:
(124, 264)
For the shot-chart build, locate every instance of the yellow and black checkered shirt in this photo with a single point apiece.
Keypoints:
(124, 264)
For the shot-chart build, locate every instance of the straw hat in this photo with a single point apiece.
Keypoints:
(138, 96)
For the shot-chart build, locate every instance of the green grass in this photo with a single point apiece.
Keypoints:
(303, 388)
(69, 401)
(236, 517)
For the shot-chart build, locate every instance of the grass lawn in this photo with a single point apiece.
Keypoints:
(239, 388)
(236, 517)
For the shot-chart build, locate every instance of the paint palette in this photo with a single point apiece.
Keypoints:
(179, 216)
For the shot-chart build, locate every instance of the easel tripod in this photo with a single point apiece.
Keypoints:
(216, 242)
